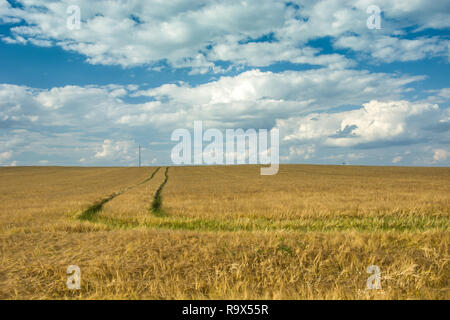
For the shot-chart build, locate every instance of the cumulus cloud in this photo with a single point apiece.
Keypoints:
(71, 106)
(261, 54)
(116, 150)
(176, 31)
(199, 35)
(304, 105)
(255, 98)
(390, 49)
(5, 155)
(98, 124)
(441, 96)
(441, 155)
(377, 122)
(300, 152)
(397, 159)
(250, 99)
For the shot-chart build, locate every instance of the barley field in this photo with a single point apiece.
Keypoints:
(225, 232)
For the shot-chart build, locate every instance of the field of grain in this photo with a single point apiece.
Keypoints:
(309, 232)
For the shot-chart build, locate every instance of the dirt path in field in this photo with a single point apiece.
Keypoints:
(90, 212)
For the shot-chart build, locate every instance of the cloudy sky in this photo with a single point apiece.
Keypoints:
(135, 70)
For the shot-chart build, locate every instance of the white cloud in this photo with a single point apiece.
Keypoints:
(441, 96)
(197, 35)
(441, 155)
(116, 150)
(397, 159)
(254, 98)
(262, 54)
(5, 155)
(390, 49)
(12, 164)
(95, 123)
(300, 152)
(176, 31)
(376, 122)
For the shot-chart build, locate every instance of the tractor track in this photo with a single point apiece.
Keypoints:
(92, 211)
(157, 198)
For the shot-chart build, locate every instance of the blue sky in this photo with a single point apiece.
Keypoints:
(135, 71)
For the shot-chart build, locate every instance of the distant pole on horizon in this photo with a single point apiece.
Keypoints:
(139, 156)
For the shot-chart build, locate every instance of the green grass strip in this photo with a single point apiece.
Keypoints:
(157, 198)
